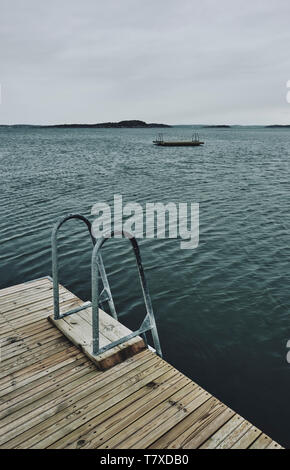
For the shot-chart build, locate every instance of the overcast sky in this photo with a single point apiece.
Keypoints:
(172, 61)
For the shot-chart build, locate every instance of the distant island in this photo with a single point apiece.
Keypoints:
(118, 125)
(275, 126)
(222, 126)
(101, 125)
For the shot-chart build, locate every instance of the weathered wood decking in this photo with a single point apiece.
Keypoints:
(78, 329)
(53, 396)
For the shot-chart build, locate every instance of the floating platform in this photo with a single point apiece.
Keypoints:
(194, 142)
(177, 144)
(53, 396)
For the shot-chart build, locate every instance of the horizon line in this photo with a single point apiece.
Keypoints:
(115, 122)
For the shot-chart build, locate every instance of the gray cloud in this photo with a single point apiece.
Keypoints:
(164, 60)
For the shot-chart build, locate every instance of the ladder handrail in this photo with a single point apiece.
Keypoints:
(97, 267)
(54, 250)
(149, 321)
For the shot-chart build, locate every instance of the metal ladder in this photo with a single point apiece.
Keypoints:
(97, 267)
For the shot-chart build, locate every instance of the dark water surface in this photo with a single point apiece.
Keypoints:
(223, 309)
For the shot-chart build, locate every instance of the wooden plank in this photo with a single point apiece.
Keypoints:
(15, 365)
(235, 436)
(78, 329)
(33, 391)
(118, 416)
(25, 300)
(167, 420)
(38, 370)
(274, 445)
(247, 439)
(9, 351)
(32, 363)
(211, 427)
(112, 329)
(41, 335)
(25, 297)
(52, 373)
(36, 430)
(27, 331)
(141, 425)
(190, 426)
(29, 409)
(2, 321)
(262, 442)
(114, 420)
(24, 286)
(7, 329)
(222, 433)
(86, 415)
(98, 398)
(23, 309)
(22, 346)
(103, 379)
(204, 427)
(20, 316)
(10, 338)
(60, 389)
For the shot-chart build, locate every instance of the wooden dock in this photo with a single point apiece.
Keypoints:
(53, 396)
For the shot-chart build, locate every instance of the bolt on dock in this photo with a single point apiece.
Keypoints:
(52, 395)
